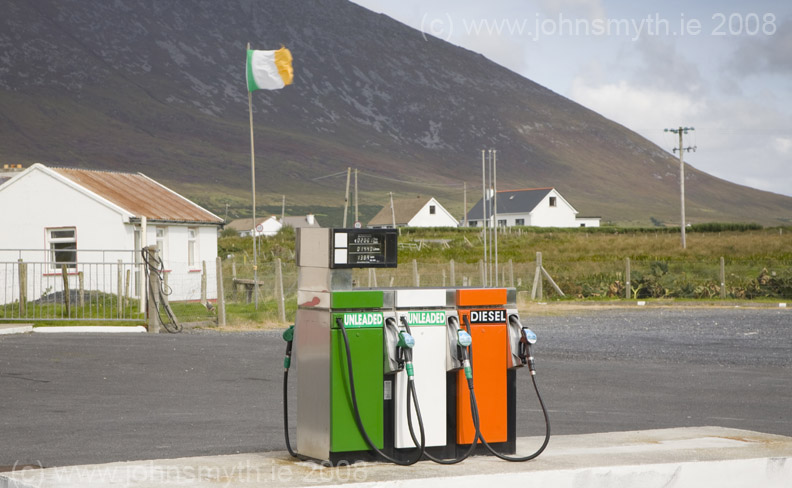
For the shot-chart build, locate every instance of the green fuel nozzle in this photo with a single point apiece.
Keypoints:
(406, 344)
(288, 336)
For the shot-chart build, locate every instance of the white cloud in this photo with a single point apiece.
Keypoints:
(783, 145)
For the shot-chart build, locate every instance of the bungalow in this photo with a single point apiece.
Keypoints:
(265, 226)
(537, 207)
(76, 218)
(413, 212)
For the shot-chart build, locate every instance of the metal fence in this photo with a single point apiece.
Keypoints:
(38, 290)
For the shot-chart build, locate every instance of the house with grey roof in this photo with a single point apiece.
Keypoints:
(537, 207)
(413, 212)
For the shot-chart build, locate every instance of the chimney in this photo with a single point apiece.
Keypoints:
(310, 218)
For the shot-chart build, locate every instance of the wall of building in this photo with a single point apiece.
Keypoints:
(38, 201)
(441, 217)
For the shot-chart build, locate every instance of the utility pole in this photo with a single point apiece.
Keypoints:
(356, 196)
(283, 209)
(464, 203)
(484, 211)
(495, 206)
(346, 198)
(393, 212)
(682, 149)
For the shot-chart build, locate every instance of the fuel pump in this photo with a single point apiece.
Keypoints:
(404, 354)
(527, 339)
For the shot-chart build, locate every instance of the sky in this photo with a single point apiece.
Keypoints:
(723, 68)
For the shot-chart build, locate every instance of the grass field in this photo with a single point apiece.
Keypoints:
(588, 264)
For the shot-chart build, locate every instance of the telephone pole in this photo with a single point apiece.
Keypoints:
(682, 149)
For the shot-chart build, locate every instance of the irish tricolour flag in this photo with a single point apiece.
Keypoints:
(269, 70)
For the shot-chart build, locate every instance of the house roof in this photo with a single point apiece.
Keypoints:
(241, 225)
(140, 195)
(513, 201)
(404, 209)
(299, 222)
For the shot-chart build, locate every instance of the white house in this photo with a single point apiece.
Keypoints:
(82, 219)
(301, 221)
(265, 226)
(537, 207)
(413, 212)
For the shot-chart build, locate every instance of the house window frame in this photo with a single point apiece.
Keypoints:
(192, 247)
(53, 253)
(519, 221)
(161, 241)
(502, 223)
(432, 209)
(553, 202)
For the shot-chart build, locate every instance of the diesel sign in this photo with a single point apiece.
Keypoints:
(487, 316)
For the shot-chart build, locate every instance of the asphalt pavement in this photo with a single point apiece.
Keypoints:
(92, 398)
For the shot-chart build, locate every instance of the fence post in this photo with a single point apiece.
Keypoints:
(416, 278)
(22, 288)
(120, 290)
(166, 286)
(481, 272)
(628, 284)
(511, 271)
(537, 283)
(722, 278)
(203, 283)
(81, 279)
(453, 272)
(66, 291)
(374, 274)
(233, 281)
(221, 315)
(279, 290)
(126, 288)
(444, 278)
(151, 295)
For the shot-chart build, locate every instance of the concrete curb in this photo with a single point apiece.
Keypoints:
(671, 458)
(15, 328)
(104, 329)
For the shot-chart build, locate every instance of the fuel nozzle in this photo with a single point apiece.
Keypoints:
(288, 336)
(406, 344)
(527, 339)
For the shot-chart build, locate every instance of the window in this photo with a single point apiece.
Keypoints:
(583, 225)
(431, 209)
(519, 221)
(162, 241)
(192, 246)
(501, 223)
(552, 201)
(63, 247)
(473, 223)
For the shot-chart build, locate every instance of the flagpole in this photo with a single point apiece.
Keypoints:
(253, 186)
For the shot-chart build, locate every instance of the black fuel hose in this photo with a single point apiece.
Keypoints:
(359, 420)
(288, 336)
(412, 430)
(477, 421)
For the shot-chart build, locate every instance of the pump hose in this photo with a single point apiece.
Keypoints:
(477, 423)
(361, 427)
(286, 418)
(412, 430)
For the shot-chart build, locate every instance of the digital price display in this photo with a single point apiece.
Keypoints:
(364, 248)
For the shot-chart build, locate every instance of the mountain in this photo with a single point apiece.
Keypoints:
(158, 86)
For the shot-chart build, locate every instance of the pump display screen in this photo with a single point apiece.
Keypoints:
(363, 248)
